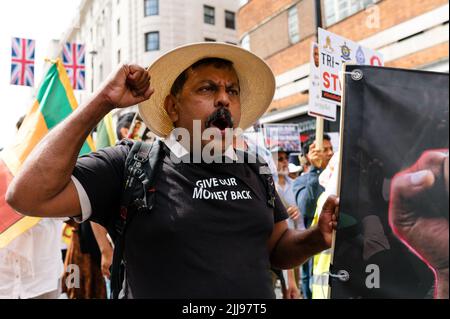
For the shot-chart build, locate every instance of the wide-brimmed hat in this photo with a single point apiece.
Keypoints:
(256, 80)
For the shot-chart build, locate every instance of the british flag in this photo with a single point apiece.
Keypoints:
(73, 57)
(22, 62)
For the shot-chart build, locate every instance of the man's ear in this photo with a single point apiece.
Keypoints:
(170, 104)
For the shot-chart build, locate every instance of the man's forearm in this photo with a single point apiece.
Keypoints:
(295, 247)
(100, 234)
(49, 167)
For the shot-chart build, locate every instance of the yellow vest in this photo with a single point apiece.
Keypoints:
(321, 262)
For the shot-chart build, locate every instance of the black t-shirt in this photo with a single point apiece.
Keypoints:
(206, 236)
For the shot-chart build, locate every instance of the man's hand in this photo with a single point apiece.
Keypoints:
(412, 214)
(107, 256)
(328, 220)
(292, 292)
(293, 212)
(316, 156)
(127, 86)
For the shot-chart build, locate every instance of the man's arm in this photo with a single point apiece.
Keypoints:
(290, 248)
(105, 247)
(43, 186)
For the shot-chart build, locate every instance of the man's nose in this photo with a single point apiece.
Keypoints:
(222, 98)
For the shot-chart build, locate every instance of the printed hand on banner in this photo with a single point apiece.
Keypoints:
(418, 212)
(127, 86)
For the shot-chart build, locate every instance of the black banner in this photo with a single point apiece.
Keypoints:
(393, 238)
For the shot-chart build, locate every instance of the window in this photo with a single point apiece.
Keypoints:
(151, 7)
(230, 20)
(337, 10)
(152, 41)
(210, 40)
(294, 35)
(119, 58)
(209, 15)
(118, 26)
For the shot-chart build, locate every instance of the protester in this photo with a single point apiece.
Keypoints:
(284, 184)
(307, 190)
(294, 171)
(328, 179)
(123, 125)
(187, 246)
(84, 254)
(103, 238)
(31, 265)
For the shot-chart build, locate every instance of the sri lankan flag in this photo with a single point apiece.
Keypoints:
(55, 101)
(106, 133)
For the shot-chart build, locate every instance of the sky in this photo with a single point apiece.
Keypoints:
(41, 20)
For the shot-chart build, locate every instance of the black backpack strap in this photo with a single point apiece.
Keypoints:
(138, 197)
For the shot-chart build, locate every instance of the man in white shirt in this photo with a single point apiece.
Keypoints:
(284, 185)
(31, 265)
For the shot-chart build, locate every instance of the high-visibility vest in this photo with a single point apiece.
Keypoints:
(321, 262)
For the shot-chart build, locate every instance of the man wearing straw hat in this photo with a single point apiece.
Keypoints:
(211, 232)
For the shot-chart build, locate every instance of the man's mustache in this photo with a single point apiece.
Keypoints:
(221, 119)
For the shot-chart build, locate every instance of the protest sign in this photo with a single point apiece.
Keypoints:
(334, 51)
(285, 136)
(392, 237)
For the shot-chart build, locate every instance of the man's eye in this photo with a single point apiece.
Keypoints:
(206, 89)
(234, 92)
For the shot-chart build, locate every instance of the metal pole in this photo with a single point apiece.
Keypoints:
(318, 17)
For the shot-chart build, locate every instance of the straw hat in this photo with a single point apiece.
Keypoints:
(255, 77)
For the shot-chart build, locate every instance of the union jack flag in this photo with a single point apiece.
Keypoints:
(73, 57)
(22, 62)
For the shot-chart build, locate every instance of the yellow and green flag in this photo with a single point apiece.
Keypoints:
(106, 133)
(54, 102)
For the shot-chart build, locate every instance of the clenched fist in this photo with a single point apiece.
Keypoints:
(127, 86)
(418, 212)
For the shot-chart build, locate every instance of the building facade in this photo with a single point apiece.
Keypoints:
(139, 31)
(411, 34)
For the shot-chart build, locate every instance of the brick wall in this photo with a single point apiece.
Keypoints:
(267, 39)
(307, 18)
(412, 61)
(257, 11)
(392, 12)
(421, 58)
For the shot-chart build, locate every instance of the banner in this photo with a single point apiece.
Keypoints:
(54, 102)
(286, 136)
(393, 238)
